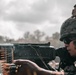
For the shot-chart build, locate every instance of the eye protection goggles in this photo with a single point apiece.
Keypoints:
(67, 41)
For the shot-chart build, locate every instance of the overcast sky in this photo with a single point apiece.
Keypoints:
(20, 16)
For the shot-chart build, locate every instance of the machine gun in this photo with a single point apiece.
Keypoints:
(41, 54)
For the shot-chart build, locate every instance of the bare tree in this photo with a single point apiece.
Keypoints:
(8, 40)
(56, 35)
(1, 39)
(38, 35)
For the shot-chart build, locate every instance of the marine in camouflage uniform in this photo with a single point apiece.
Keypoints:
(68, 36)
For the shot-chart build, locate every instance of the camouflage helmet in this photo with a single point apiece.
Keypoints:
(68, 28)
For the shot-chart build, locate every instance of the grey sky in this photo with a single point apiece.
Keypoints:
(19, 16)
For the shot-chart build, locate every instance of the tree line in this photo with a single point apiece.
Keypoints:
(36, 37)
